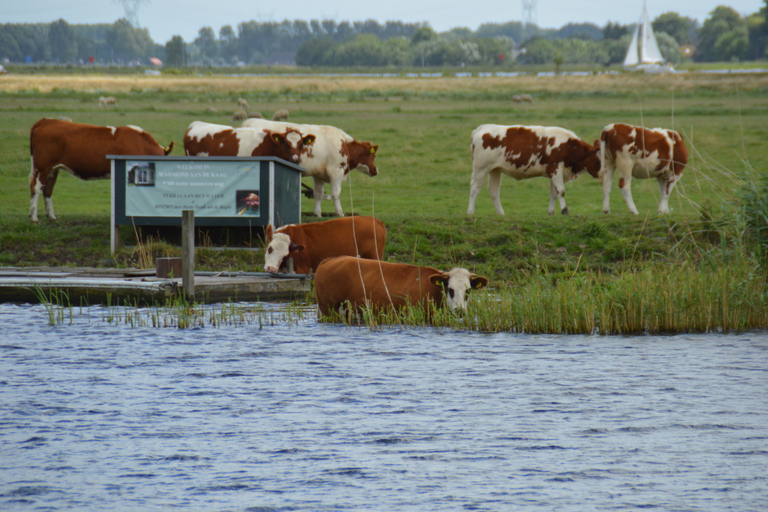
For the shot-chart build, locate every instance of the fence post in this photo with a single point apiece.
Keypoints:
(188, 253)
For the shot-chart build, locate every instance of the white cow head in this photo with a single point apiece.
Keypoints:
(278, 254)
(457, 284)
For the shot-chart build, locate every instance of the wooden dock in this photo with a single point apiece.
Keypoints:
(78, 286)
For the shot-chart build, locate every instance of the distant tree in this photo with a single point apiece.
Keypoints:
(614, 31)
(207, 45)
(757, 25)
(669, 48)
(682, 29)
(344, 31)
(61, 39)
(425, 33)
(176, 52)
(316, 52)
(579, 31)
(227, 44)
(723, 36)
(127, 42)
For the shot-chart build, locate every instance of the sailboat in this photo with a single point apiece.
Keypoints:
(643, 53)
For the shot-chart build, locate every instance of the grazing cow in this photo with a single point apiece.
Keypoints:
(80, 149)
(528, 152)
(383, 286)
(206, 139)
(329, 159)
(641, 153)
(300, 248)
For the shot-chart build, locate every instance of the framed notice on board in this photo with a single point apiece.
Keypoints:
(222, 191)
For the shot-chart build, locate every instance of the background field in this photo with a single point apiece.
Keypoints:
(422, 125)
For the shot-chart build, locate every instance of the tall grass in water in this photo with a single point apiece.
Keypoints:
(665, 298)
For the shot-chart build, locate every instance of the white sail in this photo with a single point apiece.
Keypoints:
(632, 53)
(643, 52)
(649, 49)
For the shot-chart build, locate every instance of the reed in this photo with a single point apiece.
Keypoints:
(718, 296)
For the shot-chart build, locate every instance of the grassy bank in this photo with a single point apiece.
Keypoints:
(422, 126)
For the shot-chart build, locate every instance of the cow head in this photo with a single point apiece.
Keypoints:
(457, 283)
(588, 159)
(286, 145)
(361, 155)
(279, 251)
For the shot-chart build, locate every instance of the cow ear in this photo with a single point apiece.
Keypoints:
(478, 282)
(295, 248)
(309, 140)
(439, 279)
(374, 149)
(268, 232)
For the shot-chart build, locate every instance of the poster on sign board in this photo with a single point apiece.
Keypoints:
(165, 188)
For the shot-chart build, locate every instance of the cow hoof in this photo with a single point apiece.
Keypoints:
(564, 211)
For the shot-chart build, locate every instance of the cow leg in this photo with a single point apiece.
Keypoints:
(319, 191)
(625, 184)
(665, 189)
(48, 191)
(494, 189)
(607, 181)
(557, 190)
(36, 188)
(336, 196)
(475, 185)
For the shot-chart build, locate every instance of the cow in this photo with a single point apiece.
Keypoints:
(80, 149)
(207, 139)
(329, 159)
(299, 248)
(346, 281)
(638, 152)
(528, 152)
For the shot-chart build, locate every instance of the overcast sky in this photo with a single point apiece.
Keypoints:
(166, 18)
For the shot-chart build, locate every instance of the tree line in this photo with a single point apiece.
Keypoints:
(725, 35)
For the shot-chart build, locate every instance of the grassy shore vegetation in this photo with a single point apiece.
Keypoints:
(700, 268)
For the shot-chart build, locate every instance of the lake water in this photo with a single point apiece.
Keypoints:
(97, 416)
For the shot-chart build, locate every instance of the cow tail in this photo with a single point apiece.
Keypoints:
(603, 137)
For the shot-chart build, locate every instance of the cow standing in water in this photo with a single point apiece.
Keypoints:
(80, 149)
(638, 152)
(355, 282)
(300, 248)
(528, 152)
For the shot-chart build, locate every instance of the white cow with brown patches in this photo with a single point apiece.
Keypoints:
(638, 152)
(208, 139)
(329, 159)
(528, 152)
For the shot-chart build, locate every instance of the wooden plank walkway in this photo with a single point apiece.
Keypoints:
(80, 285)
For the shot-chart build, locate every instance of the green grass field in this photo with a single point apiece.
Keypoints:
(422, 126)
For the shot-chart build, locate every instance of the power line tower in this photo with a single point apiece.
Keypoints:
(529, 11)
(131, 8)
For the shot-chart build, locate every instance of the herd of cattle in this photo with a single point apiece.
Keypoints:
(355, 245)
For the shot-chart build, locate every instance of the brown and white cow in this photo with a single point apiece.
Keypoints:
(638, 152)
(207, 139)
(80, 149)
(329, 159)
(299, 248)
(382, 286)
(528, 152)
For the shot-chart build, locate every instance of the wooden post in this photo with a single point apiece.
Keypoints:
(188, 252)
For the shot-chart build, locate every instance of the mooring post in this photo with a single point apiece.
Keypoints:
(188, 252)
